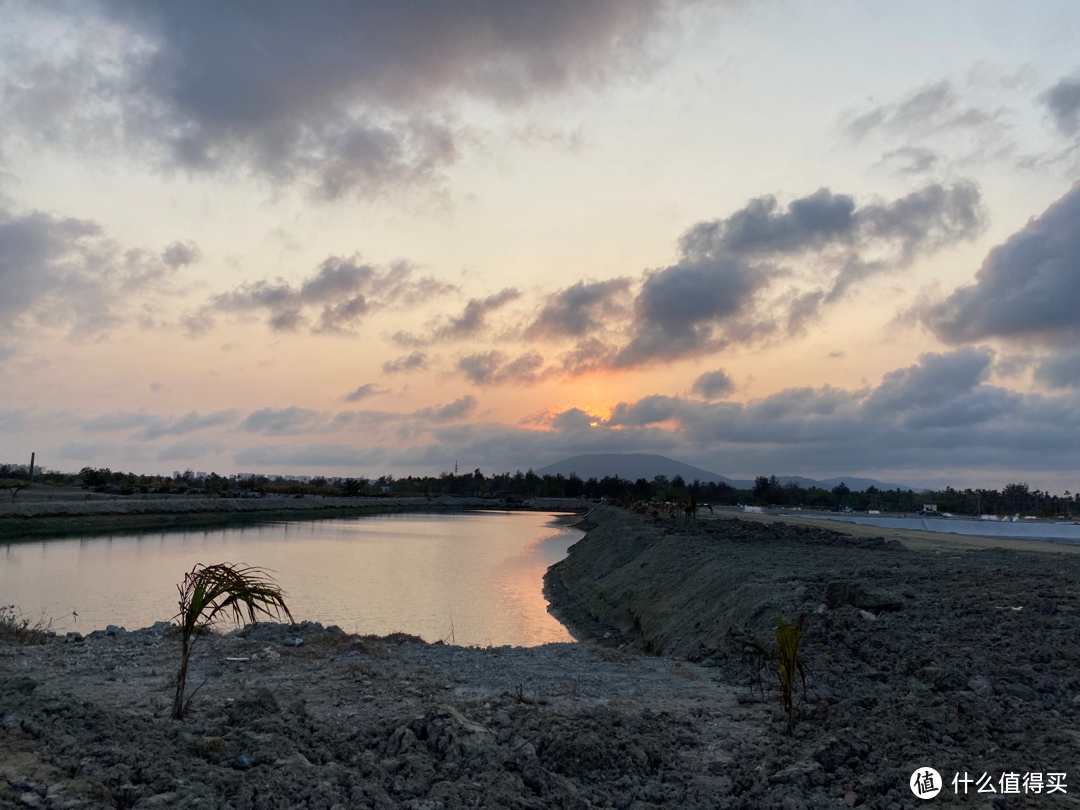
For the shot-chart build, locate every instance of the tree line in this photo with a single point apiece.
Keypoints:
(766, 491)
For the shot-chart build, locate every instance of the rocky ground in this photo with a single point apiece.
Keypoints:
(961, 661)
(343, 721)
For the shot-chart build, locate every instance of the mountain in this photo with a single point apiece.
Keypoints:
(634, 466)
(642, 465)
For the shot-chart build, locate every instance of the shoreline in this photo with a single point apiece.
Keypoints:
(46, 519)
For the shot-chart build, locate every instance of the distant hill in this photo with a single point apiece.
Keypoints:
(633, 466)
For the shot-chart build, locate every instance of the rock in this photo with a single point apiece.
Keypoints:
(980, 685)
(868, 615)
(860, 596)
(850, 798)
(73, 638)
(114, 630)
(1076, 700)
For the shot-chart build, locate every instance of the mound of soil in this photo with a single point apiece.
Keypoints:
(961, 661)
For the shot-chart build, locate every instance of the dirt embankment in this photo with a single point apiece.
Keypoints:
(964, 660)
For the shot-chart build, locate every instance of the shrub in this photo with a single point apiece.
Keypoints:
(15, 628)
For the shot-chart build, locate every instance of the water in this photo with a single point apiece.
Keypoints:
(1035, 530)
(470, 578)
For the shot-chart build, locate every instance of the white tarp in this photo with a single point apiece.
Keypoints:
(1060, 532)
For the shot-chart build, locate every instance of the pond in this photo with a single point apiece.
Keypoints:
(472, 578)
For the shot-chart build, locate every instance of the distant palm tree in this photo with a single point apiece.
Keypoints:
(211, 589)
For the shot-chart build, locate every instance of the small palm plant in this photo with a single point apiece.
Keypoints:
(785, 664)
(209, 590)
(789, 665)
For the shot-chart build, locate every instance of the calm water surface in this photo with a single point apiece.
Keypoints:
(472, 578)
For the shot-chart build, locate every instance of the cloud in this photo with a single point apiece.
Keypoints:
(935, 380)
(714, 295)
(65, 273)
(365, 391)
(580, 309)
(911, 160)
(347, 98)
(154, 426)
(493, 368)
(937, 418)
(451, 412)
(188, 451)
(334, 299)
(934, 108)
(681, 310)
(416, 361)
(180, 254)
(1028, 289)
(1063, 101)
(312, 455)
(713, 385)
(471, 322)
(1060, 370)
(293, 421)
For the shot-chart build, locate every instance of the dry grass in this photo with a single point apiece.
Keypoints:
(15, 628)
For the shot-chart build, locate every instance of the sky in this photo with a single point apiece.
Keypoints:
(365, 238)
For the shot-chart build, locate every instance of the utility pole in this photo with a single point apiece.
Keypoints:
(30, 478)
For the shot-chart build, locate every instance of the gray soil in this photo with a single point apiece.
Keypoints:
(963, 660)
(919, 651)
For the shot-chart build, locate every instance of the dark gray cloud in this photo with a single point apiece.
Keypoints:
(495, 368)
(1028, 289)
(64, 272)
(713, 295)
(713, 385)
(580, 309)
(1063, 101)
(416, 361)
(470, 323)
(935, 380)
(1060, 370)
(333, 299)
(761, 229)
(364, 391)
(350, 97)
(682, 310)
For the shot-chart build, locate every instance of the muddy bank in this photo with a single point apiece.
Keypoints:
(964, 660)
(62, 516)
